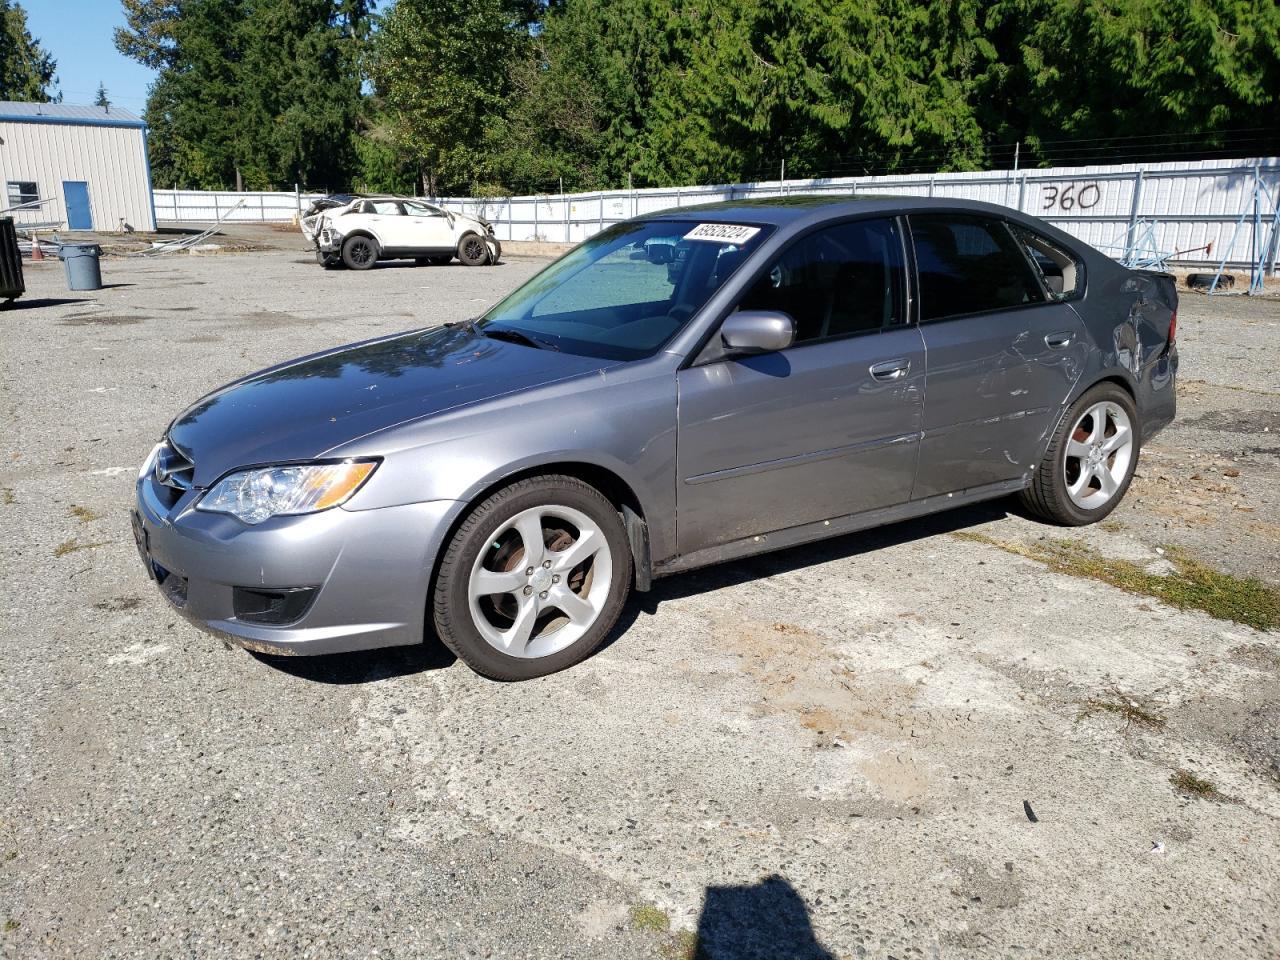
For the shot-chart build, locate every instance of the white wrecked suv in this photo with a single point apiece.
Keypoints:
(364, 230)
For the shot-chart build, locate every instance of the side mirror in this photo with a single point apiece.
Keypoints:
(660, 252)
(757, 331)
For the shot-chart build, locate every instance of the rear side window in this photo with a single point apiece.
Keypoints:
(970, 264)
(842, 280)
(1063, 274)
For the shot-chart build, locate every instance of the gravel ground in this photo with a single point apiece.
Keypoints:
(910, 742)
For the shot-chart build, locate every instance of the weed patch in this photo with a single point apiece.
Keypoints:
(84, 514)
(1192, 584)
(1130, 711)
(648, 918)
(71, 546)
(1189, 785)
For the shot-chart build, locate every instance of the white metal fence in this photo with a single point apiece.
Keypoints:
(1190, 209)
(207, 206)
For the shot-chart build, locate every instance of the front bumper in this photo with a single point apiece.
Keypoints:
(370, 569)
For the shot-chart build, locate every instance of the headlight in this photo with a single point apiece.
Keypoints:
(264, 492)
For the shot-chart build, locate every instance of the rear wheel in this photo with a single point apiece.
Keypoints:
(359, 253)
(533, 580)
(1090, 462)
(473, 251)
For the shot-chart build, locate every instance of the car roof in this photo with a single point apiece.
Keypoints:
(780, 211)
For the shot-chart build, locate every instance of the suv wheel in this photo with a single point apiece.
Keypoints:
(533, 580)
(473, 251)
(359, 253)
(1090, 461)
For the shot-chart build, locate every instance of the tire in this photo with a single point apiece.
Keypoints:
(327, 260)
(496, 256)
(482, 627)
(359, 252)
(1069, 486)
(473, 251)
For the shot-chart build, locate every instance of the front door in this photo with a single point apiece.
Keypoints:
(828, 427)
(76, 195)
(428, 227)
(1003, 354)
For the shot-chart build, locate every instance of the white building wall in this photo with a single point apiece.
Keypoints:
(112, 160)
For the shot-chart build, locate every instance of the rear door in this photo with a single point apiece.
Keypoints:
(826, 428)
(1003, 353)
(389, 224)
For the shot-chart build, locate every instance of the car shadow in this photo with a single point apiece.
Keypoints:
(765, 919)
(44, 302)
(363, 666)
(369, 666)
(766, 565)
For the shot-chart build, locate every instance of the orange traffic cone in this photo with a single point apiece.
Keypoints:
(37, 255)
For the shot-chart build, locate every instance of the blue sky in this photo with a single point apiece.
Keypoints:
(78, 35)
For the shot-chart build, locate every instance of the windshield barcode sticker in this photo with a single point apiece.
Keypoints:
(722, 232)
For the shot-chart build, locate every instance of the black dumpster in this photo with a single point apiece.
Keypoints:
(12, 285)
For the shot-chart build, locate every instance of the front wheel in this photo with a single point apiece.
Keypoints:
(1090, 462)
(533, 580)
(473, 251)
(359, 253)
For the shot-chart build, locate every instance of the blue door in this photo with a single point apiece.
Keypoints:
(76, 194)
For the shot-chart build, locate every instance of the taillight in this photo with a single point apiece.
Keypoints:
(1173, 329)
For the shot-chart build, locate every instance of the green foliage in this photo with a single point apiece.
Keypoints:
(102, 100)
(26, 69)
(514, 96)
(264, 92)
(441, 66)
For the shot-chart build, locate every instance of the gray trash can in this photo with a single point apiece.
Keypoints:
(81, 262)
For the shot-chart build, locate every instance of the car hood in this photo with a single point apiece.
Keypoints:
(302, 409)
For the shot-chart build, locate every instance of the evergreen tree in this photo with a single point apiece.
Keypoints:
(27, 71)
(101, 100)
(259, 94)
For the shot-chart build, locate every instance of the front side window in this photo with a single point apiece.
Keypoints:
(838, 281)
(970, 264)
(625, 292)
(422, 210)
(22, 191)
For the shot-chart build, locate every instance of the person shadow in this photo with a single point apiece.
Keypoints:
(768, 919)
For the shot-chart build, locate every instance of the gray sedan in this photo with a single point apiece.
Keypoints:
(682, 389)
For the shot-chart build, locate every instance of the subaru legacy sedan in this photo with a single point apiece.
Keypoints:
(682, 389)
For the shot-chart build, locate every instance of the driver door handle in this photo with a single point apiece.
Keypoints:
(887, 370)
(1056, 341)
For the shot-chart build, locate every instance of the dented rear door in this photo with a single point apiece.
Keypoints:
(994, 387)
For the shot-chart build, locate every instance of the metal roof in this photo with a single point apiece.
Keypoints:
(68, 114)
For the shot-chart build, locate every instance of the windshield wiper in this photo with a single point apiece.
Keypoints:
(515, 336)
(467, 324)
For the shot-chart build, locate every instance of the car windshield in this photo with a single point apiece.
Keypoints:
(625, 292)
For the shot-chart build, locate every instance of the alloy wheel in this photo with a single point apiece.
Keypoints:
(1099, 453)
(541, 582)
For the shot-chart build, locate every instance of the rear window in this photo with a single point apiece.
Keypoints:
(970, 264)
(1062, 273)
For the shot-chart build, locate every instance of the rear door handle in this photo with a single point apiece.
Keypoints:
(1056, 341)
(887, 370)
